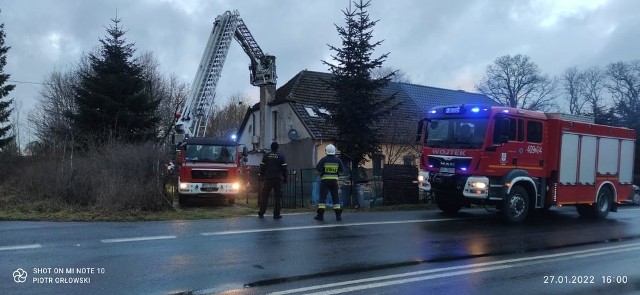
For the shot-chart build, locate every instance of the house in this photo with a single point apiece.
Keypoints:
(296, 119)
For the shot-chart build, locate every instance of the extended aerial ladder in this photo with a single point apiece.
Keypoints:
(192, 121)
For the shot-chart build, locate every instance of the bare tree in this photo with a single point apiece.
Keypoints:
(395, 152)
(584, 91)
(226, 120)
(624, 86)
(594, 85)
(573, 84)
(516, 81)
(171, 92)
(50, 125)
(173, 97)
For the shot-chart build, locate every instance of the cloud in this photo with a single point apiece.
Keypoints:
(549, 13)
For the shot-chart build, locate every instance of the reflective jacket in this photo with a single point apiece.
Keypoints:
(330, 167)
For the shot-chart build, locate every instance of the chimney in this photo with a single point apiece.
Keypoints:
(267, 94)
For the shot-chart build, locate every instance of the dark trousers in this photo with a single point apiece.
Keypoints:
(329, 185)
(276, 185)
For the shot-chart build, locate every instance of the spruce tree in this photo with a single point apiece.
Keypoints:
(5, 88)
(359, 105)
(113, 98)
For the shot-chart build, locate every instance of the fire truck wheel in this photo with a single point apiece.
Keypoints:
(182, 199)
(585, 210)
(447, 205)
(231, 200)
(602, 207)
(636, 198)
(516, 205)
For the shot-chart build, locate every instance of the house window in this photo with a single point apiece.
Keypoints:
(274, 119)
(311, 112)
(324, 111)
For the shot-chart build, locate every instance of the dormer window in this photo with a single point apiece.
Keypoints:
(316, 112)
(312, 112)
(324, 111)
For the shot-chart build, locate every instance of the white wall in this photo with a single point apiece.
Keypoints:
(286, 120)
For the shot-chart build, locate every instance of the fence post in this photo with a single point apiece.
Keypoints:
(301, 188)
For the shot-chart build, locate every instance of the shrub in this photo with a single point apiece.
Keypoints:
(111, 177)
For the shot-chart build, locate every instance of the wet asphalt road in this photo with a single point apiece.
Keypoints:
(423, 251)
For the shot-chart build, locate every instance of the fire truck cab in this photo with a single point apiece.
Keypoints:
(212, 168)
(519, 160)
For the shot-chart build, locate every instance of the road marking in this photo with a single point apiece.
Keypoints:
(457, 270)
(249, 231)
(20, 247)
(136, 239)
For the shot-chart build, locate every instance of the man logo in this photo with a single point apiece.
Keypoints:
(447, 164)
(19, 276)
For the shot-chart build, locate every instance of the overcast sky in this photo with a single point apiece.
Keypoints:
(444, 44)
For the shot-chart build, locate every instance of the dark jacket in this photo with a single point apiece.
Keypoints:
(273, 166)
(330, 167)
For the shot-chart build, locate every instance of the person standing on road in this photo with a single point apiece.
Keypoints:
(273, 173)
(329, 167)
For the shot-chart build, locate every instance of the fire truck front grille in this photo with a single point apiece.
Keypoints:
(209, 174)
(455, 163)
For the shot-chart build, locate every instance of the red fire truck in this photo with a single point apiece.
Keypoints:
(211, 168)
(207, 166)
(519, 160)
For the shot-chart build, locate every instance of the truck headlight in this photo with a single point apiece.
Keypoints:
(235, 186)
(183, 185)
(478, 184)
(420, 178)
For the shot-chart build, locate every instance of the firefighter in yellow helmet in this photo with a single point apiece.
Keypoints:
(329, 167)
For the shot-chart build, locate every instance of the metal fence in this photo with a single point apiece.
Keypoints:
(390, 185)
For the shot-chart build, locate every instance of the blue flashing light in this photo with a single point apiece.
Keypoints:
(463, 168)
(234, 137)
(432, 111)
(430, 166)
(505, 111)
(475, 109)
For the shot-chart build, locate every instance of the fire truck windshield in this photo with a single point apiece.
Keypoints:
(210, 153)
(464, 133)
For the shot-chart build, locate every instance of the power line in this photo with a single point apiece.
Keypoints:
(28, 82)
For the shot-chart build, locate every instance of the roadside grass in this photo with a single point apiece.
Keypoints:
(24, 208)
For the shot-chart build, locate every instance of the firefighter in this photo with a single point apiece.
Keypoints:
(273, 173)
(329, 167)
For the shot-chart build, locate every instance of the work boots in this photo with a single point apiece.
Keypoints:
(338, 214)
(320, 215)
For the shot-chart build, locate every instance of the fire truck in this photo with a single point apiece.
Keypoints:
(210, 167)
(215, 167)
(519, 160)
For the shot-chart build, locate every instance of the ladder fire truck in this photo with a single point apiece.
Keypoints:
(519, 160)
(210, 167)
